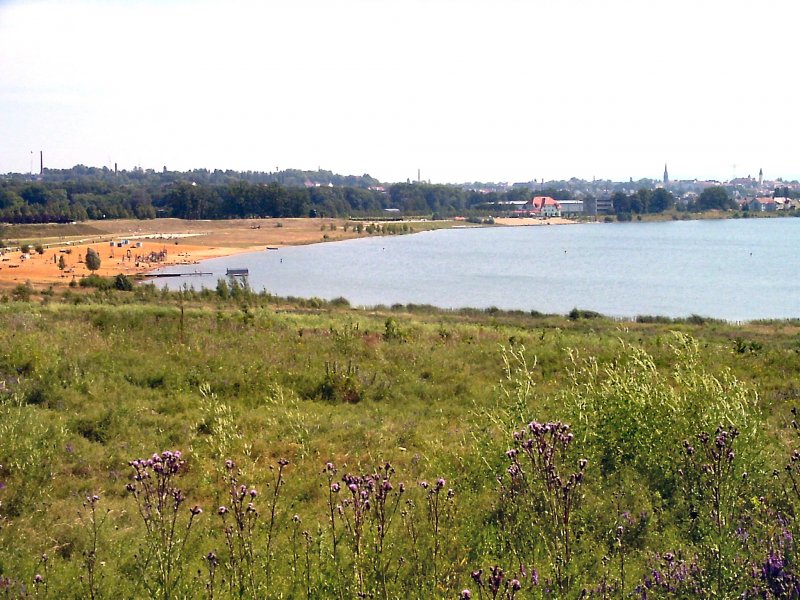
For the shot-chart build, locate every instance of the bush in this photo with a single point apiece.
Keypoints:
(96, 281)
(123, 283)
(340, 302)
(577, 313)
(22, 292)
(635, 416)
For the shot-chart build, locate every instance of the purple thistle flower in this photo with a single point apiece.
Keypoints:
(222, 510)
(196, 510)
(229, 464)
(466, 595)
(335, 488)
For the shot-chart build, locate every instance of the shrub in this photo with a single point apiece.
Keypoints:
(22, 292)
(340, 302)
(123, 283)
(635, 416)
(577, 313)
(96, 281)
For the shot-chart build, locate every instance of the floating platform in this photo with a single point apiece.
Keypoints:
(237, 272)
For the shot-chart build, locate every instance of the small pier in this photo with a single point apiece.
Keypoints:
(158, 275)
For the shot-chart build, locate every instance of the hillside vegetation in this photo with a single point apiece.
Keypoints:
(233, 445)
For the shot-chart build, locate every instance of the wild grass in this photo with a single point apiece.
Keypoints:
(393, 453)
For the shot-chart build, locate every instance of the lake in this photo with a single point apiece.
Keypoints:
(733, 269)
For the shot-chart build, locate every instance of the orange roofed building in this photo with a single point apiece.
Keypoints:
(539, 206)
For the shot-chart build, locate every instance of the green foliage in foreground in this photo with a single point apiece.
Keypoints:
(229, 445)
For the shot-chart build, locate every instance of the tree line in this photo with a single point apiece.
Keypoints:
(83, 193)
(659, 200)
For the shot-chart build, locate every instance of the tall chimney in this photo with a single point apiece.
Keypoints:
(41, 162)
(115, 169)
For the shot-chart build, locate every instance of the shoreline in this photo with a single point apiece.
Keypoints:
(137, 248)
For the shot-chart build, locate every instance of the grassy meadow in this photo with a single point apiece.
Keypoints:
(234, 445)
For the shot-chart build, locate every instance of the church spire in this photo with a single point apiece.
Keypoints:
(666, 174)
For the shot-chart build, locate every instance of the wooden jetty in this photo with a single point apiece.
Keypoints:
(156, 275)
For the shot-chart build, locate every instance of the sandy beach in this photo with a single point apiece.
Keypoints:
(530, 221)
(138, 247)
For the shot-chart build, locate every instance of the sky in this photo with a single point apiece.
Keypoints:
(461, 90)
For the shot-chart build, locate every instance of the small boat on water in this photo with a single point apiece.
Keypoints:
(237, 272)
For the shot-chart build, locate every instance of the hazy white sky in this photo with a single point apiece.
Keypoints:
(465, 90)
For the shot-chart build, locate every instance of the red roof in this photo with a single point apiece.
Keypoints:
(539, 202)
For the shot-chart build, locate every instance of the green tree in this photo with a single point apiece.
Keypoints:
(661, 200)
(92, 260)
(640, 201)
(62, 264)
(714, 198)
(621, 203)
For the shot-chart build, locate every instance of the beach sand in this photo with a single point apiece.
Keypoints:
(525, 221)
(150, 245)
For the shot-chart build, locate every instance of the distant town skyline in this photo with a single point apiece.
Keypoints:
(468, 91)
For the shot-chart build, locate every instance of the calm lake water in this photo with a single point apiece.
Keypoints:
(729, 269)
